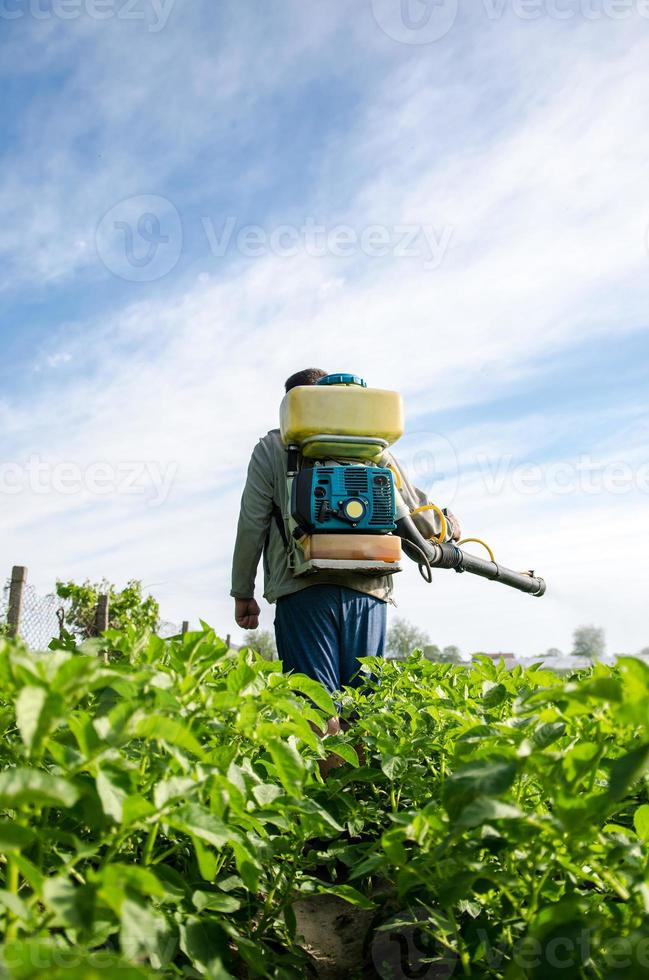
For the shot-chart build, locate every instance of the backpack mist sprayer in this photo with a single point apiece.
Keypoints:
(344, 509)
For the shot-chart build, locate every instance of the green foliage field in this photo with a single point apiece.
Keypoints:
(160, 814)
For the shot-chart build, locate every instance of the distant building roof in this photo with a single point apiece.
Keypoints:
(496, 656)
(566, 662)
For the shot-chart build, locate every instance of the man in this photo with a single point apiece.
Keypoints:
(323, 622)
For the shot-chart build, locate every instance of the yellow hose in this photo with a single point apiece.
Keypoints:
(479, 541)
(444, 531)
(440, 513)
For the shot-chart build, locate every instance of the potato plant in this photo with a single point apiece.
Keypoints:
(161, 814)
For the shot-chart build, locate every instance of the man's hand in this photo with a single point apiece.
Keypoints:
(454, 526)
(246, 613)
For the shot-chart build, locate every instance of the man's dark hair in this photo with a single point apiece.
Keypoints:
(308, 377)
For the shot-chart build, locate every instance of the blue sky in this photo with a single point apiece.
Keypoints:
(164, 170)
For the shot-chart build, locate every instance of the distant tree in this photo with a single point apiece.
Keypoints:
(403, 638)
(452, 655)
(263, 641)
(644, 652)
(449, 655)
(589, 641)
(126, 606)
(553, 652)
(433, 652)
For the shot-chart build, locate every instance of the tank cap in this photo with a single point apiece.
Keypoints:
(342, 379)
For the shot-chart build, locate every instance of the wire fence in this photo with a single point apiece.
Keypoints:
(41, 616)
(38, 619)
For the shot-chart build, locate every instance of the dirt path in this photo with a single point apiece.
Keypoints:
(333, 932)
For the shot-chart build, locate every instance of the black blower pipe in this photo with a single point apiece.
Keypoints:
(448, 555)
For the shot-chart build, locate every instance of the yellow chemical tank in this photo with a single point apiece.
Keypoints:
(364, 420)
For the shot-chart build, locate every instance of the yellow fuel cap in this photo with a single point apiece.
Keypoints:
(354, 509)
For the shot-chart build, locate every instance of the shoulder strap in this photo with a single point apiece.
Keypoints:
(276, 514)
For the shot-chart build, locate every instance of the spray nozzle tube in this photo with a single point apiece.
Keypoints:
(448, 555)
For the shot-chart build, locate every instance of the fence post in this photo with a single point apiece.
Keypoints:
(228, 640)
(16, 592)
(185, 627)
(101, 614)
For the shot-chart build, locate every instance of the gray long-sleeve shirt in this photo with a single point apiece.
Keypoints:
(258, 533)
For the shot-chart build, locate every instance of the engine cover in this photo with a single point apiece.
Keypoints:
(344, 498)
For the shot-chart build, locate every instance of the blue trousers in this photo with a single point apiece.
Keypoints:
(323, 630)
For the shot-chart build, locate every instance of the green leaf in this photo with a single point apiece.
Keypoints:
(112, 789)
(392, 844)
(349, 894)
(38, 958)
(116, 878)
(196, 821)
(172, 789)
(13, 837)
(641, 822)
(315, 691)
(300, 730)
(215, 902)
(480, 779)
(72, 905)
(144, 932)
(493, 694)
(484, 809)
(325, 819)
(626, 770)
(207, 863)
(30, 872)
(168, 730)
(81, 726)
(266, 793)
(347, 752)
(394, 766)
(35, 716)
(205, 944)
(14, 904)
(289, 765)
(136, 808)
(240, 678)
(20, 786)
(547, 734)
(247, 866)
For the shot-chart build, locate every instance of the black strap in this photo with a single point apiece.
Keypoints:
(279, 521)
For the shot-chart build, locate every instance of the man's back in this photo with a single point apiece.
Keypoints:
(261, 530)
(325, 621)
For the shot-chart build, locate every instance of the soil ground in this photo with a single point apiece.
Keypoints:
(333, 933)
